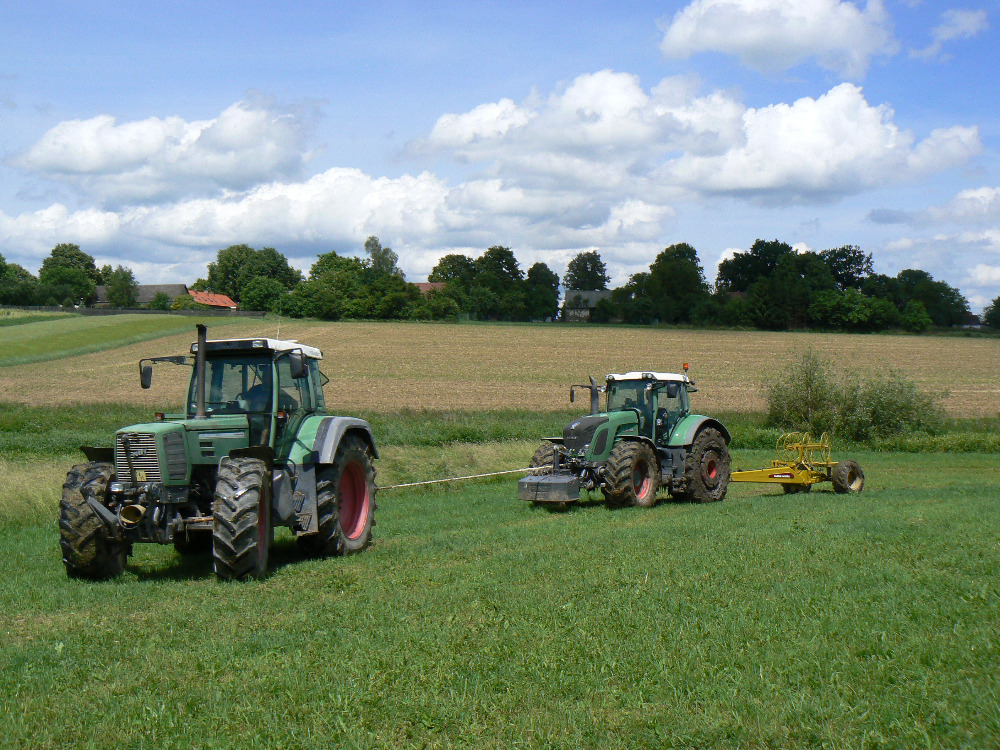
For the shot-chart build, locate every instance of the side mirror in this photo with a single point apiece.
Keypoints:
(672, 390)
(146, 376)
(572, 395)
(297, 364)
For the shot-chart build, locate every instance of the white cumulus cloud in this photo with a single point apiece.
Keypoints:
(956, 23)
(837, 144)
(159, 159)
(774, 35)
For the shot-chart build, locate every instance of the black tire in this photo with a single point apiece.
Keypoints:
(631, 475)
(345, 502)
(198, 542)
(541, 462)
(795, 489)
(242, 532)
(707, 468)
(848, 477)
(88, 549)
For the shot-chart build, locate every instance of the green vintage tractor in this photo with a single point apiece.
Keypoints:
(255, 449)
(645, 440)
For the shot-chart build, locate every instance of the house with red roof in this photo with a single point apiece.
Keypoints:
(212, 299)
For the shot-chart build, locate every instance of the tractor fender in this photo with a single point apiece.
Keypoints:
(685, 430)
(636, 439)
(332, 430)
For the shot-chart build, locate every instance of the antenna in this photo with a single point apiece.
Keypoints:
(278, 334)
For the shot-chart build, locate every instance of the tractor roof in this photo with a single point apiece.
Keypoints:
(277, 345)
(637, 375)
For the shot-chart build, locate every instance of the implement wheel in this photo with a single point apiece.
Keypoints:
(631, 475)
(345, 502)
(794, 489)
(88, 549)
(848, 477)
(707, 468)
(242, 532)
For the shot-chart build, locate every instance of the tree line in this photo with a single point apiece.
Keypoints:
(770, 286)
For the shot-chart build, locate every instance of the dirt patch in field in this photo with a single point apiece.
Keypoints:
(386, 366)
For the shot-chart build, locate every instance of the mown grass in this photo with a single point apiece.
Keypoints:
(58, 337)
(20, 317)
(478, 621)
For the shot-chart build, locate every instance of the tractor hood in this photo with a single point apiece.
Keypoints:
(163, 452)
(594, 434)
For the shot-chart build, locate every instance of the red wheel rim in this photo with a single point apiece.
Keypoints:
(641, 479)
(354, 500)
(711, 468)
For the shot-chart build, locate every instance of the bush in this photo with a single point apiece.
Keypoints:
(810, 397)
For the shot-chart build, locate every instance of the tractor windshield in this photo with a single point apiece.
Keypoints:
(631, 394)
(235, 385)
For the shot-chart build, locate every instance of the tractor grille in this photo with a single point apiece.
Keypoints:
(144, 445)
(578, 433)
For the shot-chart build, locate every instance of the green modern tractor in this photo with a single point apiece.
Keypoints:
(646, 439)
(255, 449)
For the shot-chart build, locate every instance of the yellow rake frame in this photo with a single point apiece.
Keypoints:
(801, 463)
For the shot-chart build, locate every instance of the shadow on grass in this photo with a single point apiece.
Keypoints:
(198, 565)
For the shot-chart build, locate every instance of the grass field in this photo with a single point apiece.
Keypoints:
(44, 338)
(476, 620)
(382, 367)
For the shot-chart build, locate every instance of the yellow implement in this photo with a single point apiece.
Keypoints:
(803, 462)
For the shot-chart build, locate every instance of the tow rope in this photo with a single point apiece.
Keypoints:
(454, 479)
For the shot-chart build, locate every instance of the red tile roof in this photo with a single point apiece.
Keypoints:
(213, 299)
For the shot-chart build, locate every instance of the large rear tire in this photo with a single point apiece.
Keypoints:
(88, 550)
(242, 532)
(707, 468)
(345, 502)
(631, 475)
(848, 477)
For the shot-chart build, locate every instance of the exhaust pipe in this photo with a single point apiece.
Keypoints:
(595, 396)
(199, 373)
(130, 515)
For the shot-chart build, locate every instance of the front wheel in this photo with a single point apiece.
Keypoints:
(631, 475)
(241, 532)
(345, 502)
(88, 549)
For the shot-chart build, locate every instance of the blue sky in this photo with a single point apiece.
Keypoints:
(154, 134)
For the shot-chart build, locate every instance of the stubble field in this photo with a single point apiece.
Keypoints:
(387, 366)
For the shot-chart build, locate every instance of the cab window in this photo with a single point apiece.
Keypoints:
(292, 394)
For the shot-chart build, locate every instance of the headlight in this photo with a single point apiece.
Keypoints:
(117, 487)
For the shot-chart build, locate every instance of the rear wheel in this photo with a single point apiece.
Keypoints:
(345, 502)
(88, 549)
(848, 477)
(241, 534)
(707, 468)
(631, 475)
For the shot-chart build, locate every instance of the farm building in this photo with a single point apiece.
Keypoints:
(579, 304)
(427, 286)
(212, 299)
(144, 293)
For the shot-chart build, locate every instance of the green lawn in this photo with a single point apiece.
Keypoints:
(478, 621)
(46, 339)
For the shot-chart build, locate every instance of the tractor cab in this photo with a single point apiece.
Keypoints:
(659, 400)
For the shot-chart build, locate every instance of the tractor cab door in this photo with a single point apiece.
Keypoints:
(294, 401)
(671, 407)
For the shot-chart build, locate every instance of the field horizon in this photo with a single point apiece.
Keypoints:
(384, 366)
